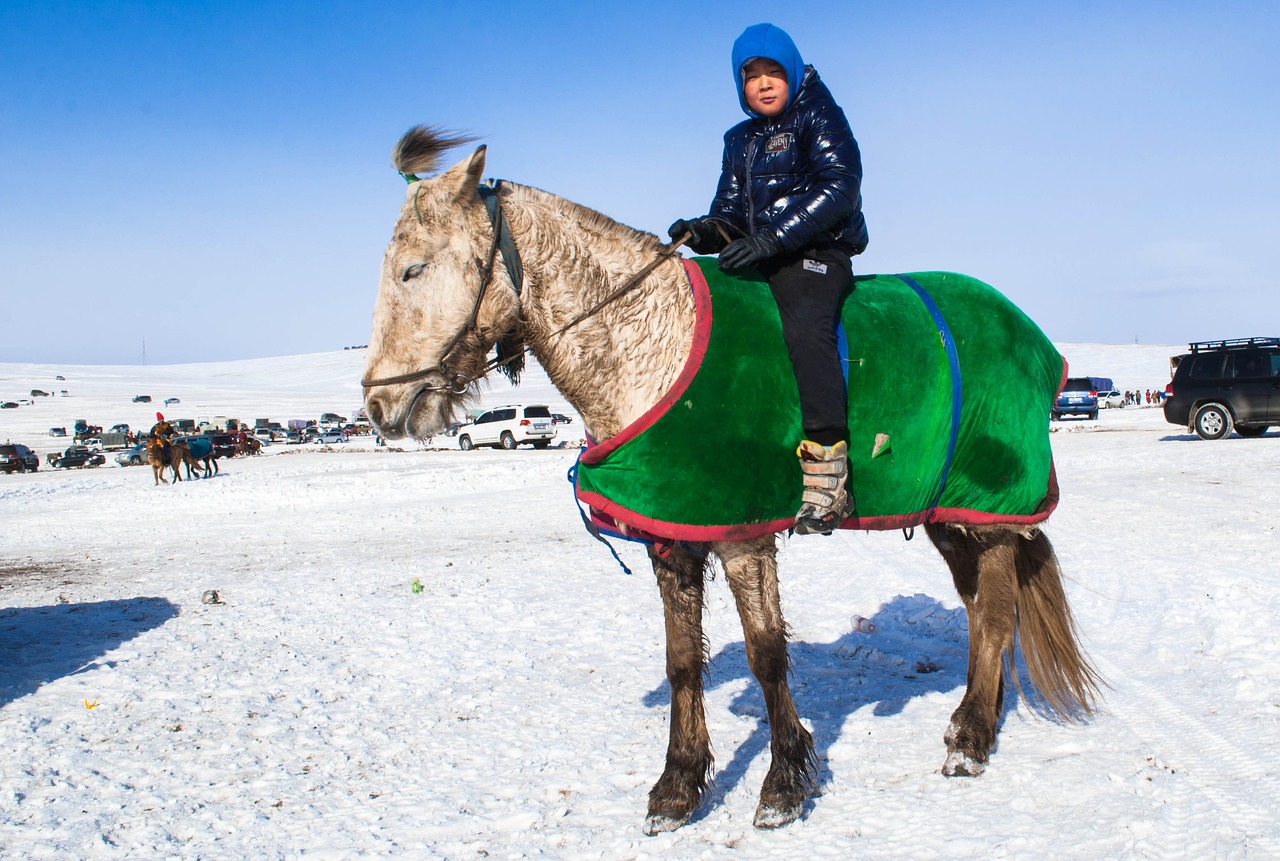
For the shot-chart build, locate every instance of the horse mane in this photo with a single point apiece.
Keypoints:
(419, 149)
(588, 221)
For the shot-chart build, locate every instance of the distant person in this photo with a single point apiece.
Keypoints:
(163, 433)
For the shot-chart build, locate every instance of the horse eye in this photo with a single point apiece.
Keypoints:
(413, 271)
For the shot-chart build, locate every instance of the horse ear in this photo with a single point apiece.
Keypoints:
(465, 175)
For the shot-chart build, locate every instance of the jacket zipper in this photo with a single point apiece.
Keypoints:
(751, 204)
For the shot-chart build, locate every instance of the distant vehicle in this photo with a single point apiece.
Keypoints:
(120, 428)
(331, 419)
(133, 456)
(57, 431)
(9, 405)
(39, 393)
(293, 437)
(561, 419)
(77, 457)
(114, 440)
(142, 399)
(330, 436)
(168, 402)
(81, 425)
(1228, 385)
(224, 444)
(1110, 399)
(15, 457)
(508, 427)
(60, 377)
(1078, 397)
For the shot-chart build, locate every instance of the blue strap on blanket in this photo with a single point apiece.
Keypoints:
(953, 359)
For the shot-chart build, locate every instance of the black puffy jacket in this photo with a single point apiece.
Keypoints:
(798, 174)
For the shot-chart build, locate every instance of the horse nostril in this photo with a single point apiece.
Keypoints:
(375, 411)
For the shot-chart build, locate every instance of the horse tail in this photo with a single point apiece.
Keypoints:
(1062, 675)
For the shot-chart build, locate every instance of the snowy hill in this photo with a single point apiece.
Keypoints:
(420, 653)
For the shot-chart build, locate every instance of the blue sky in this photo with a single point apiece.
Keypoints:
(212, 179)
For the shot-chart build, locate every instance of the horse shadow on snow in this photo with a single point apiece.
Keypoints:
(39, 645)
(917, 647)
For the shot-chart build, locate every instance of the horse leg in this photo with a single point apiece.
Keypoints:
(751, 567)
(983, 566)
(684, 780)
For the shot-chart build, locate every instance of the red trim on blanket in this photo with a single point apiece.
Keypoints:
(638, 526)
(697, 352)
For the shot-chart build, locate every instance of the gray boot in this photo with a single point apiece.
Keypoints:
(826, 501)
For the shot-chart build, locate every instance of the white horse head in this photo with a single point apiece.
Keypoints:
(439, 308)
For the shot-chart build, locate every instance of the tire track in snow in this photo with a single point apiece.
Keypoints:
(1213, 772)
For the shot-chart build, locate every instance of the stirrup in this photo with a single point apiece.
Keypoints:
(814, 521)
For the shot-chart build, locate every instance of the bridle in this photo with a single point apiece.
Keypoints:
(458, 383)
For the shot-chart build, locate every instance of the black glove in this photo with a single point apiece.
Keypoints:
(703, 238)
(752, 251)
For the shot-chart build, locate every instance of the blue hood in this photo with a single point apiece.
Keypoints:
(773, 43)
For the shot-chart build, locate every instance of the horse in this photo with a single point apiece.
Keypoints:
(179, 455)
(445, 301)
(249, 445)
(200, 453)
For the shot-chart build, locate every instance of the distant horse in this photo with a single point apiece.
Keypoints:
(249, 445)
(200, 454)
(179, 455)
(435, 321)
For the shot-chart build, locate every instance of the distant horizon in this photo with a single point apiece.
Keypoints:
(126, 364)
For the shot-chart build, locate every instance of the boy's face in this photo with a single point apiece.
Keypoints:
(764, 85)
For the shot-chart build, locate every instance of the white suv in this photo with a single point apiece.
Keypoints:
(508, 427)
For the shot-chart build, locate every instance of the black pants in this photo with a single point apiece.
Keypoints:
(810, 287)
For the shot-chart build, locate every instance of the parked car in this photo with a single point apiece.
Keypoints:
(15, 457)
(142, 399)
(168, 402)
(77, 456)
(1111, 399)
(1078, 397)
(9, 405)
(1220, 386)
(39, 393)
(224, 444)
(133, 456)
(57, 431)
(293, 437)
(509, 426)
(120, 428)
(330, 436)
(561, 418)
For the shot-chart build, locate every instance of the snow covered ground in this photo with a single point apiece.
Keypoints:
(516, 706)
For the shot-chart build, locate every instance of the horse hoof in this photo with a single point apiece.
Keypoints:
(776, 816)
(657, 823)
(960, 764)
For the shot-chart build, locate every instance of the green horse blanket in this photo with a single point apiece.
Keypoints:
(950, 389)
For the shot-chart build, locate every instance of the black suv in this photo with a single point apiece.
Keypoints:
(1221, 385)
(76, 457)
(18, 458)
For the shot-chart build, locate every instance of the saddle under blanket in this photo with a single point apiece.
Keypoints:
(950, 389)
